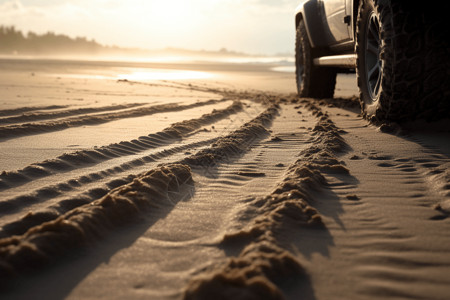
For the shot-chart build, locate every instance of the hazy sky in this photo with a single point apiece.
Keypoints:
(253, 26)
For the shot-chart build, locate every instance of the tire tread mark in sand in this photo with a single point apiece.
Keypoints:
(13, 131)
(46, 243)
(74, 160)
(234, 144)
(39, 116)
(20, 110)
(32, 219)
(265, 266)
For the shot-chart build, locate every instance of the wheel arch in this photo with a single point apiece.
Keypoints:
(312, 14)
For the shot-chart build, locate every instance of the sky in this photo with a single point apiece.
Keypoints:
(251, 26)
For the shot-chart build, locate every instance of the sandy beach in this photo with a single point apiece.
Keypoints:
(212, 180)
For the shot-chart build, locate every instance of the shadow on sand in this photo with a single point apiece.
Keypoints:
(58, 280)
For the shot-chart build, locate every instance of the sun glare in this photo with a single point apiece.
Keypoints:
(156, 74)
(170, 14)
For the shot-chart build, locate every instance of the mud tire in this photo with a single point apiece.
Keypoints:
(312, 81)
(414, 56)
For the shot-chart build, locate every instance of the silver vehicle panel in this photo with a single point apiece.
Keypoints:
(335, 13)
(325, 21)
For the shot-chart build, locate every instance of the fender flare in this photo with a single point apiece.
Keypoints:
(312, 14)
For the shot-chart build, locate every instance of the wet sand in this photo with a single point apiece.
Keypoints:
(212, 180)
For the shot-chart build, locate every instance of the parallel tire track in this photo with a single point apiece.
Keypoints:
(20, 110)
(78, 159)
(52, 212)
(266, 265)
(39, 116)
(45, 243)
(13, 131)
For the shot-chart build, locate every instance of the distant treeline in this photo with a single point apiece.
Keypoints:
(13, 41)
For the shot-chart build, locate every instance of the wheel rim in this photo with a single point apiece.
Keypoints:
(372, 56)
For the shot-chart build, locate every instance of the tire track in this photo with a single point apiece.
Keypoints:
(235, 143)
(82, 158)
(13, 131)
(13, 207)
(386, 241)
(20, 110)
(188, 235)
(265, 265)
(39, 116)
(47, 243)
(16, 205)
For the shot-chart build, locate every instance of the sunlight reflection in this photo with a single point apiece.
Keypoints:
(288, 69)
(164, 75)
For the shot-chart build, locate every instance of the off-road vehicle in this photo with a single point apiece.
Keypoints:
(399, 50)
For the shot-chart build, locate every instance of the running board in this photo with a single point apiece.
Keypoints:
(343, 61)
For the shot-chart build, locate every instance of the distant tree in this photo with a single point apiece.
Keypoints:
(14, 41)
(10, 39)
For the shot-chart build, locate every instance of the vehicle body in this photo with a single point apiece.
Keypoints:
(399, 50)
(329, 24)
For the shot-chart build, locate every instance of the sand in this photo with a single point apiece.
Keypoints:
(219, 186)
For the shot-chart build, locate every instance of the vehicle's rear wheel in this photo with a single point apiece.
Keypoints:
(312, 81)
(402, 62)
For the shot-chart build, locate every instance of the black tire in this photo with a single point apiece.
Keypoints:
(312, 81)
(411, 61)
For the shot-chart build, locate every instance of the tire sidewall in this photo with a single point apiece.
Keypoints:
(312, 81)
(369, 105)
(300, 60)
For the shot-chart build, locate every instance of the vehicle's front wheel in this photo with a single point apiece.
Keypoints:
(402, 61)
(312, 81)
